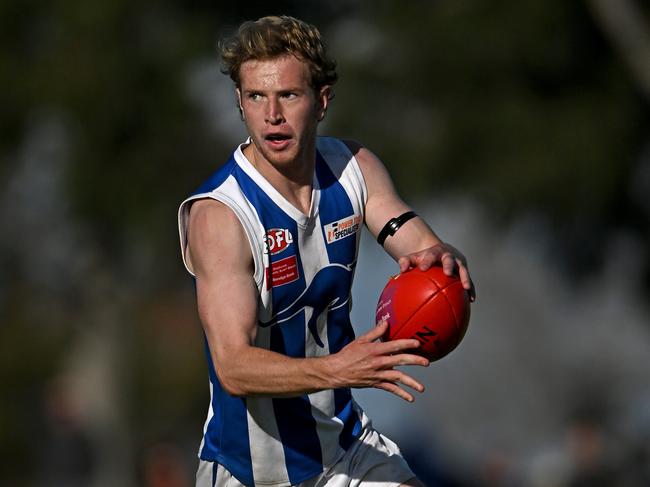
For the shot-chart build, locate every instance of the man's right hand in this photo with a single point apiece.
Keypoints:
(367, 362)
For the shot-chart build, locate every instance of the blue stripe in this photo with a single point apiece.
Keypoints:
(338, 336)
(232, 436)
(252, 191)
(297, 428)
(296, 425)
(339, 327)
(351, 421)
(334, 206)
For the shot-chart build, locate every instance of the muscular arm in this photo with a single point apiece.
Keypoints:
(415, 243)
(220, 257)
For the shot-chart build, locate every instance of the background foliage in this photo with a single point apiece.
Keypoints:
(527, 108)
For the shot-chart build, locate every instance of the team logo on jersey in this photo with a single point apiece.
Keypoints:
(343, 228)
(328, 291)
(277, 240)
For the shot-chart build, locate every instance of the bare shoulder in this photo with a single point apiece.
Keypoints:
(383, 202)
(367, 160)
(216, 237)
(207, 212)
(378, 180)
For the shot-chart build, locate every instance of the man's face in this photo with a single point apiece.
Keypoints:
(280, 109)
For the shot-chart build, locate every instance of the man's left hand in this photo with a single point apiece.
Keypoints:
(452, 261)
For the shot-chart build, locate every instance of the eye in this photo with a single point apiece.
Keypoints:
(254, 96)
(289, 95)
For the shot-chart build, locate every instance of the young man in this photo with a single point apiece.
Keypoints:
(272, 240)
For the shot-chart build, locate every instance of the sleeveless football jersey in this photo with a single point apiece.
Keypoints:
(304, 265)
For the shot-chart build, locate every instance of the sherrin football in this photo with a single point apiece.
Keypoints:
(426, 305)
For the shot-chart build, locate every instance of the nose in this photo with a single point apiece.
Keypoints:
(274, 112)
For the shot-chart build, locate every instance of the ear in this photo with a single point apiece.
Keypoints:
(239, 105)
(323, 98)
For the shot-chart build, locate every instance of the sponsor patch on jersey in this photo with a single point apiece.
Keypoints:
(343, 228)
(277, 240)
(282, 272)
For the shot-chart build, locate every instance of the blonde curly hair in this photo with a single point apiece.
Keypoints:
(273, 36)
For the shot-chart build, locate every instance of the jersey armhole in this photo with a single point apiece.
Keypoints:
(183, 222)
(353, 167)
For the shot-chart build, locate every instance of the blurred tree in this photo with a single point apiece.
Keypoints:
(524, 106)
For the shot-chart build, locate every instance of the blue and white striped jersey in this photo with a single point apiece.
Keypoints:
(304, 265)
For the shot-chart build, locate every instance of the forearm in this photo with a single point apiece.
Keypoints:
(255, 371)
(246, 370)
(415, 235)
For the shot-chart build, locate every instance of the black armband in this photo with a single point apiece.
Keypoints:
(393, 225)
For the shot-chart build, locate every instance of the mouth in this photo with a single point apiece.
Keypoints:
(277, 141)
(277, 137)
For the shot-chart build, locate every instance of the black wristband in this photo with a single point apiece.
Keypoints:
(393, 225)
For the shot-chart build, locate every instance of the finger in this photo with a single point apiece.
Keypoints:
(394, 346)
(423, 259)
(448, 262)
(396, 376)
(390, 365)
(426, 259)
(472, 291)
(463, 273)
(408, 359)
(395, 389)
(466, 280)
(389, 362)
(375, 332)
(404, 263)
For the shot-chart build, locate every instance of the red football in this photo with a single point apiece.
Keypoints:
(427, 305)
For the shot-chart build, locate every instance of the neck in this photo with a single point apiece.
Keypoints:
(292, 179)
